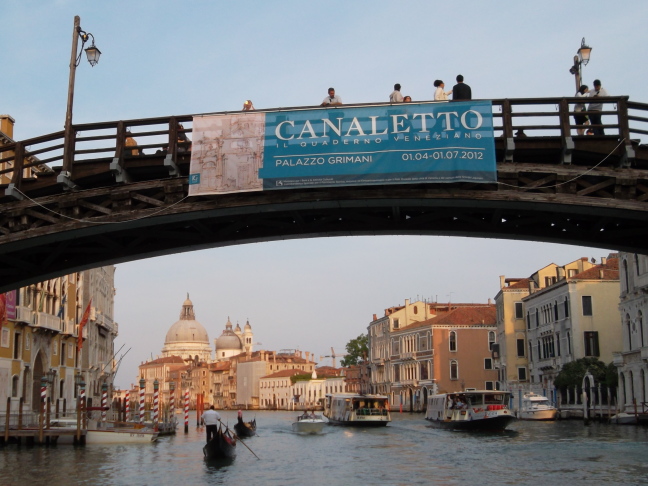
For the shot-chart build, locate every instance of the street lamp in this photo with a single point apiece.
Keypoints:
(581, 58)
(92, 54)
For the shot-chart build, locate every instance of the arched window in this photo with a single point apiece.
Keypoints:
(453, 340)
(14, 386)
(454, 369)
(629, 329)
(491, 340)
(568, 343)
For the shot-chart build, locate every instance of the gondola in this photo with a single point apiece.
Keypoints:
(222, 445)
(245, 429)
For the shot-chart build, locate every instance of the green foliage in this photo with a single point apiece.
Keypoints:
(357, 349)
(572, 374)
(301, 377)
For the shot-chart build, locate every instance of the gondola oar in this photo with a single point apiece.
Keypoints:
(241, 442)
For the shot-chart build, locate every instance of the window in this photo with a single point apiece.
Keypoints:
(491, 340)
(4, 339)
(571, 272)
(17, 343)
(568, 343)
(489, 385)
(488, 364)
(454, 370)
(453, 340)
(528, 320)
(519, 312)
(522, 374)
(566, 305)
(520, 347)
(591, 343)
(537, 319)
(558, 344)
(395, 323)
(587, 305)
(555, 309)
(14, 386)
(625, 273)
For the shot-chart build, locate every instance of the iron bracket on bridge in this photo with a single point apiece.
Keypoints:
(171, 165)
(12, 191)
(118, 171)
(567, 149)
(65, 180)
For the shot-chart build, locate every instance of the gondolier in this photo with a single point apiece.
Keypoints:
(210, 419)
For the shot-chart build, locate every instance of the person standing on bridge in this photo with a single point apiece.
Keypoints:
(461, 91)
(396, 96)
(595, 118)
(439, 94)
(580, 119)
(331, 99)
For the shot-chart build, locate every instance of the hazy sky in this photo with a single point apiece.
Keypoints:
(162, 58)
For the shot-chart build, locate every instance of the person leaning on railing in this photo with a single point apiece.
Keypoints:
(581, 119)
(595, 118)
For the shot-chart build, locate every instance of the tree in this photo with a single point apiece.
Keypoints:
(357, 349)
(572, 374)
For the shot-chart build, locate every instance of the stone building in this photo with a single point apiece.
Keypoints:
(632, 360)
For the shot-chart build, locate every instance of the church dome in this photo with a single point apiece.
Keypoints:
(229, 339)
(187, 338)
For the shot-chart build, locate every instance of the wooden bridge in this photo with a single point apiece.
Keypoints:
(94, 200)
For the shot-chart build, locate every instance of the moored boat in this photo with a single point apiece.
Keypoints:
(120, 435)
(308, 424)
(536, 407)
(245, 429)
(222, 445)
(470, 410)
(357, 410)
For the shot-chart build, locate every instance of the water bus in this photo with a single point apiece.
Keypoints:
(470, 410)
(358, 410)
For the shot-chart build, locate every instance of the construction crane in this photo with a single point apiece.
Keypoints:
(333, 355)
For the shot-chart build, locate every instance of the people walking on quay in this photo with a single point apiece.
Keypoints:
(210, 419)
(461, 91)
(439, 94)
(581, 119)
(595, 118)
(396, 96)
(331, 99)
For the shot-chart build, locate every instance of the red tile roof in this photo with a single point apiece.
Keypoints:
(610, 271)
(283, 373)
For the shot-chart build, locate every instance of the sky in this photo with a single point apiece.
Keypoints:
(162, 58)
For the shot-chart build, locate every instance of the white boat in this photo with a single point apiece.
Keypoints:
(358, 410)
(536, 407)
(121, 436)
(623, 418)
(470, 410)
(308, 424)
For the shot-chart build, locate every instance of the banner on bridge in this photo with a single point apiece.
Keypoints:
(403, 143)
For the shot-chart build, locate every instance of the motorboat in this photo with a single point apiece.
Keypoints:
(357, 410)
(623, 418)
(536, 407)
(470, 410)
(309, 424)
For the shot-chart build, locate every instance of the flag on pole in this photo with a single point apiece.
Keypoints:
(62, 307)
(3, 310)
(86, 316)
(42, 298)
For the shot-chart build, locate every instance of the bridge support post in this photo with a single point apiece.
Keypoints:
(118, 171)
(171, 165)
(64, 178)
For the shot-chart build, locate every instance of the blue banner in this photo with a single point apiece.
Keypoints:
(389, 144)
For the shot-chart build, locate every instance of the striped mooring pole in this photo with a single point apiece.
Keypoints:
(104, 401)
(141, 400)
(186, 411)
(44, 395)
(127, 406)
(172, 400)
(156, 403)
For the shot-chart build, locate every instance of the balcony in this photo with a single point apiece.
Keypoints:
(69, 327)
(24, 314)
(105, 322)
(42, 320)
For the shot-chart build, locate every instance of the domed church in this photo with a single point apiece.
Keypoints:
(233, 342)
(188, 338)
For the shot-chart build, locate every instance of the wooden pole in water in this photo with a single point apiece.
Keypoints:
(186, 410)
(7, 417)
(142, 384)
(127, 416)
(156, 403)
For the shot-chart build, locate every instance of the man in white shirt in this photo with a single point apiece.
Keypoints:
(396, 96)
(331, 99)
(211, 418)
(595, 118)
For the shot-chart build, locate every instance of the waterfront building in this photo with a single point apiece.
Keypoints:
(415, 351)
(165, 370)
(220, 377)
(575, 316)
(233, 342)
(632, 361)
(39, 340)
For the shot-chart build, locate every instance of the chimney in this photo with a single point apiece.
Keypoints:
(603, 260)
(489, 303)
(532, 286)
(375, 318)
(502, 281)
(407, 302)
(307, 356)
(560, 272)
(601, 274)
(6, 125)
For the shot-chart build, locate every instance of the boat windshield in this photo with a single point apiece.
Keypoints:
(474, 399)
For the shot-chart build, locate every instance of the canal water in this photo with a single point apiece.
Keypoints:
(405, 452)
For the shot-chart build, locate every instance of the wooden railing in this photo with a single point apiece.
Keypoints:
(513, 118)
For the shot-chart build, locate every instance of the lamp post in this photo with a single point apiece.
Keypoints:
(92, 54)
(581, 58)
